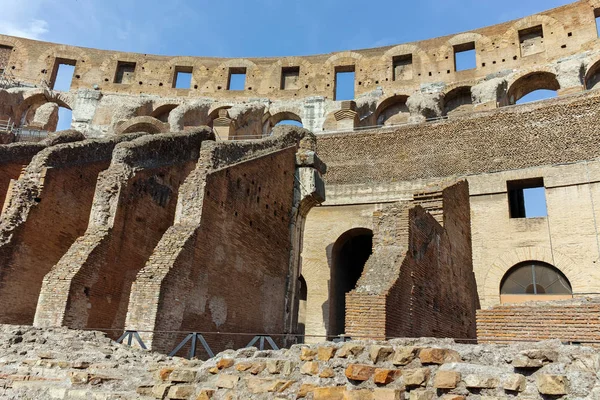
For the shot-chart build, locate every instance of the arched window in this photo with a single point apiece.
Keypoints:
(534, 278)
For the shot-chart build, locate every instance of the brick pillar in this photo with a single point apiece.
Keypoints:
(347, 117)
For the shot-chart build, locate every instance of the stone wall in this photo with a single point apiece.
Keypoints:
(47, 209)
(570, 321)
(225, 263)
(419, 279)
(133, 205)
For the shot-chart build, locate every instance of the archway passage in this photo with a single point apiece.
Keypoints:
(349, 255)
(534, 281)
(544, 83)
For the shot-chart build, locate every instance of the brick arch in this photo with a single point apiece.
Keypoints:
(489, 292)
(459, 96)
(162, 110)
(189, 115)
(512, 33)
(469, 37)
(273, 74)
(142, 124)
(387, 103)
(43, 96)
(342, 57)
(526, 82)
(592, 73)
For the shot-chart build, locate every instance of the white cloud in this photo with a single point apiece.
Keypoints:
(33, 29)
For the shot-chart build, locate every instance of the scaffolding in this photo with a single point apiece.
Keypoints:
(8, 80)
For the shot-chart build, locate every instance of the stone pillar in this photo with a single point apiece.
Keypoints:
(347, 117)
(570, 77)
(224, 126)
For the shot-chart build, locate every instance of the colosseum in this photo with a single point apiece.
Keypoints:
(269, 200)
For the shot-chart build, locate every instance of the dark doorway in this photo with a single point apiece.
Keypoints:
(349, 255)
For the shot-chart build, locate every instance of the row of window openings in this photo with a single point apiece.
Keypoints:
(531, 42)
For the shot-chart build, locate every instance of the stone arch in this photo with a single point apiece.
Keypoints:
(189, 115)
(349, 255)
(343, 57)
(26, 110)
(142, 124)
(488, 290)
(512, 33)
(272, 78)
(392, 110)
(282, 116)
(527, 82)
(214, 112)
(592, 74)
(458, 100)
(162, 112)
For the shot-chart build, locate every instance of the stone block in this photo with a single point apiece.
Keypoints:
(388, 394)
(404, 355)
(261, 385)
(160, 391)
(380, 353)
(180, 392)
(243, 366)
(310, 368)
(329, 393)
(164, 373)
(325, 353)
(552, 384)
(227, 381)
(288, 367)
(275, 366)
(481, 381)
(206, 394)
(305, 389)
(514, 382)
(446, 379)
(416, 377)
(385, 376)
(79, 378)
(359, 372)
(422, 395)
(360, 394)
(350, 349)
(438, 356)
(452, 397)
(225, 363)
(257, 368)
(522, 361)
(182, 375)
(307, 354)
(327, 372)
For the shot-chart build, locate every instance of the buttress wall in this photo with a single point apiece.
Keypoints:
(48, 209)
(133, 206)
(224, 264)
(419, 280)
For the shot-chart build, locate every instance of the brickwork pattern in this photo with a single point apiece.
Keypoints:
(570, 321)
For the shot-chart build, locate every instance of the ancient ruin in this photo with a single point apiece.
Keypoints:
(195, 220)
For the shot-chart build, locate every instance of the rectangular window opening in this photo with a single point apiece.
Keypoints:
(125, 72)
(527, 198)
(344, 83)
(183, 78)
(62, 74)
(402, 67)
(597, 17)
(5, 52)
(289, 78)
(531, 40)
(237, 79)
(465, 57)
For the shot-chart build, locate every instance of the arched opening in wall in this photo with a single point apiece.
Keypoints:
(593, 77)
(458, 101)
(142, 127)
(214, 114)
(392, 111)
(162, 112)
(65, 118)
(282, 118)
(349, 255)
(534, 281)
(533, 87)
(302, 297)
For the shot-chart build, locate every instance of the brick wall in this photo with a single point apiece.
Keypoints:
(48, 209)
(571, 321)
(426, 286)
(134, 204)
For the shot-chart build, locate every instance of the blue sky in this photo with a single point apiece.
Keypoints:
(251, 28)
(244, 28)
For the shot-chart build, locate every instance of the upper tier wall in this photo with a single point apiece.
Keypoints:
(500, 49)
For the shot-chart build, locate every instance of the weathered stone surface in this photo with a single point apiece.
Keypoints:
(205, 394)
(329, 393)
(350, 349)
(182, 375)
(416, 377)
(325, 353)
(422, 395)
(388, 394)
(310, 368)
(227, 381)
(481, 381)
(225, 363)
(552, 384)
(514, 382)
(359, 372)
(438, 356)
(307, 354)
(380, 353)
(327, 372)
(384, 376)
(180, 392)
(446, 379)
(404, 355)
